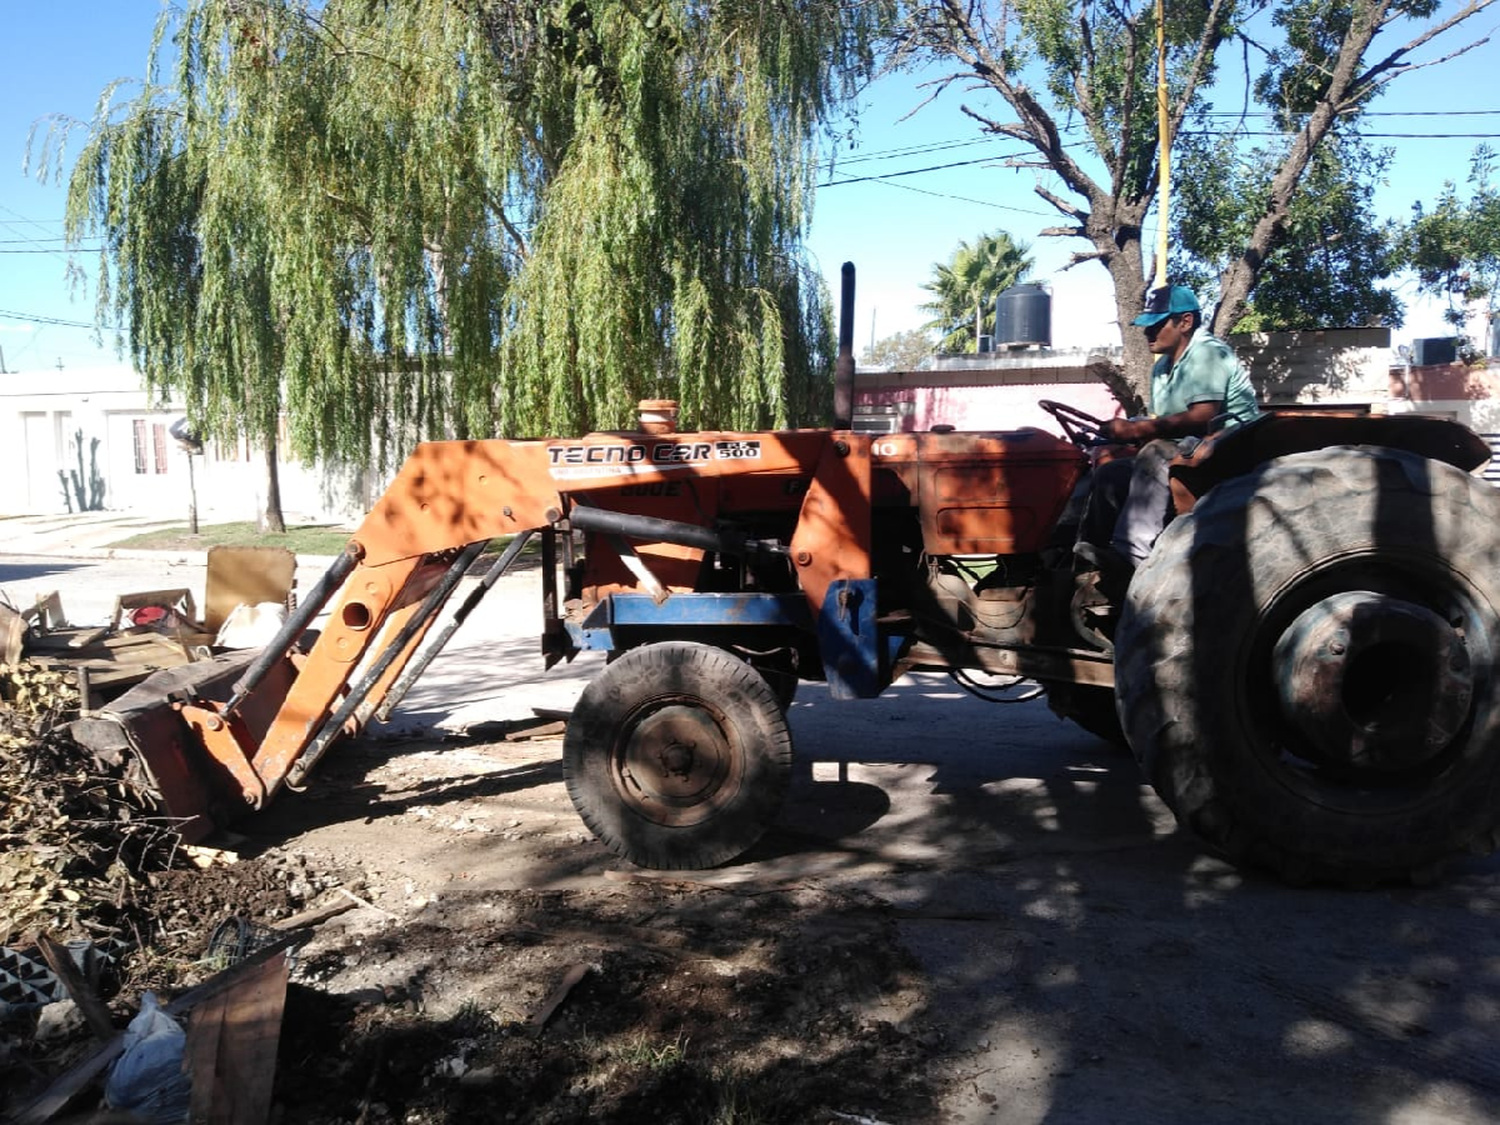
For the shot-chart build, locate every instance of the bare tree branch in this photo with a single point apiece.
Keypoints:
(1392, 62)
(1067, 208)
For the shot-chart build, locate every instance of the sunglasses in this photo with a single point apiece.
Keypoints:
(1151, 330)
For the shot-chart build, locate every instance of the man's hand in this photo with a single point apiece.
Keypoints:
(1127, 431)
(1192, 422)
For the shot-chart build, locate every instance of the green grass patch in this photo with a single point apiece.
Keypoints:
(302, 539)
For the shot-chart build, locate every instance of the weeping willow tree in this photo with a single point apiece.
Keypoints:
(391, 219)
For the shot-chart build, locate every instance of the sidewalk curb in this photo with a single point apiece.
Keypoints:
(170, 558)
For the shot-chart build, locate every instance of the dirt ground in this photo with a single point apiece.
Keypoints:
(912, 944)
(966, 914)
(455, 993)
(692, 1002)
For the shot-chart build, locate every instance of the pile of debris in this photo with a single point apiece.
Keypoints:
(248, 592)
(77, 835)
(89, 866)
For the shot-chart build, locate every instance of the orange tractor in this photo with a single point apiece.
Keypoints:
(1307, 667)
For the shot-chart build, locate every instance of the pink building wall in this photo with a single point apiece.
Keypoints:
(988, 407)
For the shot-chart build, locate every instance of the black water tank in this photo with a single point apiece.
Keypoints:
(1023, 315)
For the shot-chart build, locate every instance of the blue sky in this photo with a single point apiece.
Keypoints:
(894, 229)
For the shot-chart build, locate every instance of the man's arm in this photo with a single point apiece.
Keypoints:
(1192, 422)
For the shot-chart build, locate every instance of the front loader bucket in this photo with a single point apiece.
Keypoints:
(194, 788)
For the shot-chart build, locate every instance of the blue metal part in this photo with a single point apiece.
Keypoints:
(855, 659)
(849, 640)
(687, 610)
(589, 640)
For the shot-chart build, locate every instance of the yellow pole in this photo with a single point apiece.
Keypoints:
(1163, 143)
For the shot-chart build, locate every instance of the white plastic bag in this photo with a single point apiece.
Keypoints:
(251, 626)
(147, 1079)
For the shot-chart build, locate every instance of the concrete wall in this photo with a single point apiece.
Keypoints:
(47, 417)
(1000, 390)
(1469, 394)
(1326, 367)
(996, 391)
(43, 415)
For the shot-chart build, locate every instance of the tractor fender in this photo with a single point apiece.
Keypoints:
(1276, 433)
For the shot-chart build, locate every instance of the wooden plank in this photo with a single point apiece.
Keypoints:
(87, 637)
(540, 730)
(200, 1057)
(231, 1049)
(142, 638)
(49, 612)
(539, 1018)
(63, 640)
(316, 917)
(73, 1081)
(12, 631)
(245, 576)
(178, 599)
(60, 961)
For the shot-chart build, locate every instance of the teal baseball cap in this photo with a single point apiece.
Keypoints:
(1165, 301)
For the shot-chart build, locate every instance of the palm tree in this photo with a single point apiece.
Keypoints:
(968, 283)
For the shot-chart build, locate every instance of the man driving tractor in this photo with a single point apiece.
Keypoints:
(1198, 387)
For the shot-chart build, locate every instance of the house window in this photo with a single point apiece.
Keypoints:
(150, 447)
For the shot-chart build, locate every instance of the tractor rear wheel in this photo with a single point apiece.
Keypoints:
(1308, 666)
(677, 756)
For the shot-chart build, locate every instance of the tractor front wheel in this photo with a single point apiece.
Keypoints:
(677, 756)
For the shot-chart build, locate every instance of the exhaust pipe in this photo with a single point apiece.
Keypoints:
(843, 366)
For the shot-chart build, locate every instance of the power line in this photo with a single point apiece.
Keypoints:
(937, 146)
(1365, 136)
(912, 150)
(929, 168)
(34, 318)
(945, 195)
(26, 220)
(1369, 113)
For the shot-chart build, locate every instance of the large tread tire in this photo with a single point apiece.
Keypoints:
(783, 682)
(677, 756)
(1201, 683)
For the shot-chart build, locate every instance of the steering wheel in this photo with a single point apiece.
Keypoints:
(1078, 426)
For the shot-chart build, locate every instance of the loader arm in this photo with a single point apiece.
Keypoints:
(245, 727)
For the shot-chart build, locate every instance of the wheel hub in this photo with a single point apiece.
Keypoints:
(676, 765)
(1373, 681)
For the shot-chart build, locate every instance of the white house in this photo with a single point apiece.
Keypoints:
(94, 428)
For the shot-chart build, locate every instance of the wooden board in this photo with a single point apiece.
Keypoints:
(115, 662)
(77, 1078)
(245, 576)
(12, 630)
(178, 599)
(231, 1048)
